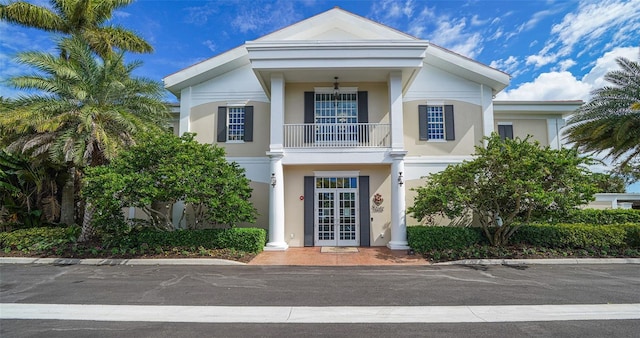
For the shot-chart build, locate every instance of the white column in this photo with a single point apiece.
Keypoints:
(276, 205)
(185, 111)
(396, 112)
(398, 204)
(554, 126)
(486, 97)
(277, 112)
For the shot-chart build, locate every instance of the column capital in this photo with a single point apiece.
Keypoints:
(275, 155)
(398, 154)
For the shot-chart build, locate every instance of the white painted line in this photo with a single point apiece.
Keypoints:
(317, 314)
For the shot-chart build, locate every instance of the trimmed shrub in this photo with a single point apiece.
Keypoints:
(597, 216)
(574, 235)
(425, 238)
(243, 239)
(38, 239)
(632, 231)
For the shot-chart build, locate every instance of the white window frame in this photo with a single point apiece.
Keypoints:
(230, 123)
(443, 123)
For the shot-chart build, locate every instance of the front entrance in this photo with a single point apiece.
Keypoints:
(336, 211)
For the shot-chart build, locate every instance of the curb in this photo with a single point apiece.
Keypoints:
(110, 261)
(558, 261)
(216, 261)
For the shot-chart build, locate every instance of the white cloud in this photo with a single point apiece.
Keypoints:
(391, 10)
(607, 62)
(589, 25)
(265, 18)
(562, 85)
(509, 65)
(566, 64)
(210, 44)
(592, 20)
(452, 34)
(537, 17)
(549, 86)
(199, 15)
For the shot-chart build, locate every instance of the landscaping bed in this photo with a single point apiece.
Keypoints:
(237, 244)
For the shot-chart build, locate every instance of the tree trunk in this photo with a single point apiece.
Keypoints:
(88, 232)
(67, 206)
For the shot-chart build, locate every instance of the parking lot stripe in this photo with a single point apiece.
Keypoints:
(320, 314)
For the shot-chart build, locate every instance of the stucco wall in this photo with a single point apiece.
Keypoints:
(204, 122)
(537, 128)
(294, 206)
(468, 130)
(377, 93)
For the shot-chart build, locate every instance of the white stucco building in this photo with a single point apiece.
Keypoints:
(335, 119)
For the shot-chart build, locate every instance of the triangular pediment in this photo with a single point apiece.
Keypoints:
(336, 24)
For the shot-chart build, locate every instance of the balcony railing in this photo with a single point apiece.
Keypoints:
(337, 135)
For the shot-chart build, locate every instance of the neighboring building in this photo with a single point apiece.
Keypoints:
(337, 117)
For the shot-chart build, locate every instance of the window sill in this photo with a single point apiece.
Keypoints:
(234, 142)
(437, 141)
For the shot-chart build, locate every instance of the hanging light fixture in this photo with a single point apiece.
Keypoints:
(336, 88)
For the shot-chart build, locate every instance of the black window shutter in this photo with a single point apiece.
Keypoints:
(309, 198)
(422, 122)
(309, 111)
(365, 215)
(248, 124)
(450, 129)
(309, 115)
(363, 107)
(222, 124)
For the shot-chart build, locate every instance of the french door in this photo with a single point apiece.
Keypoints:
(336, 212)
(336, 118)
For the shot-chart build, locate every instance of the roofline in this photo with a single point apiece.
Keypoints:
(558, 102)
(343, 11)
(431, 44)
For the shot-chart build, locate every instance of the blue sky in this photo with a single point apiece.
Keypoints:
(554, 50)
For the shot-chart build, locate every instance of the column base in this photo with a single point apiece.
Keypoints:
(276, 246)
(400, 245)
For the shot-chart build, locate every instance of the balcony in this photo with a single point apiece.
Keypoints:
(337, 135)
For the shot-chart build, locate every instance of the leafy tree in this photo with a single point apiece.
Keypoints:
(90, 110)
(507, 182)
(169, 168)
(609, 183)
(84, 19)
(610, 122)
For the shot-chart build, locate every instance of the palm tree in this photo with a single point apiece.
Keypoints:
(610, 122)
(90, 110)
(83, 18)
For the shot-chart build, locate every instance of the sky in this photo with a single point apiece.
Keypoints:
(553, 49)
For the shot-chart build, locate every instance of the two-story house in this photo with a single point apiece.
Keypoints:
(335, 119)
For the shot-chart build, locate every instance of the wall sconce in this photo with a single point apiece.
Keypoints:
(273, 180)
(336, 88)
(400, 179)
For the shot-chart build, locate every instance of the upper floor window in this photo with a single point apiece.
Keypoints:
(340, 108)
(436, 123)
(235, 124)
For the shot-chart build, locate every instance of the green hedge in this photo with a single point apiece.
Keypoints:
(38, 239)
(578, 235)
(425, 238)
(597, 216)
(244, 239)
(557, 236)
